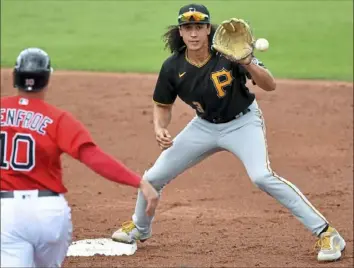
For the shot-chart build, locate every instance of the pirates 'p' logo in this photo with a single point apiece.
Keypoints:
(221, 79)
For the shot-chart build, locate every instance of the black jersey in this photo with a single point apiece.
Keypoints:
(215, 89)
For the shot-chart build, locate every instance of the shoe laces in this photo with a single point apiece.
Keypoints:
(128, 226)
(324, 243)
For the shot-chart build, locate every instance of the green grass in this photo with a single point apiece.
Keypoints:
(308, 39)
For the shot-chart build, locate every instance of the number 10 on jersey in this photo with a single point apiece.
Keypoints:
(27, 161)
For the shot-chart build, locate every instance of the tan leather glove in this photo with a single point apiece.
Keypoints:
(234, 39)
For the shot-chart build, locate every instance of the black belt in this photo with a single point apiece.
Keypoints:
(219, 120)
(41, 193)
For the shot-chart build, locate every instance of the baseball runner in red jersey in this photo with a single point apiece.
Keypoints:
(228, 119)
(36, 225)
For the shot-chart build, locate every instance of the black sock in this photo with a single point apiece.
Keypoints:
(324, 229)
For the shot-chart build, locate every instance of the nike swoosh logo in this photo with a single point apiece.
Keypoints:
(181, 74)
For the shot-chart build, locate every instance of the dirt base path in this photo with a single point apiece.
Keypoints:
(211, 216)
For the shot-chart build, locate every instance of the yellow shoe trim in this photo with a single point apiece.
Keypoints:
(128, 226)
(324, 242)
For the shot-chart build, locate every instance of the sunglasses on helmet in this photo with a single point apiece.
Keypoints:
(193, 16)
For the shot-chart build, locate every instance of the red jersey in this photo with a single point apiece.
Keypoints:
(34, 134)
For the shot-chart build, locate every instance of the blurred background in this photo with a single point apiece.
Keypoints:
(308, 39)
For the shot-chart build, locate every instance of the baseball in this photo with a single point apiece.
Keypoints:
(262, 44)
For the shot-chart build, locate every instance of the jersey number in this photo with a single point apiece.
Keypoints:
(221, 79)
(19, 138)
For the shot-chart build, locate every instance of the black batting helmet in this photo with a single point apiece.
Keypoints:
(32, 70)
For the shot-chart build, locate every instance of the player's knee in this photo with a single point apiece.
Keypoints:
(157, 180)
(261, 180)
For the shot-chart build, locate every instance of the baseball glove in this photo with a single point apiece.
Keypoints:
(234, 39)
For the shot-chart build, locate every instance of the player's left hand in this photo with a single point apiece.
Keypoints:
(234, 39)
(151, 196)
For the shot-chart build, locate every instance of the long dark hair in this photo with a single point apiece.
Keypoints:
(174, 42)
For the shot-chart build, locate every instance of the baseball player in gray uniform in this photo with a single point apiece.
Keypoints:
(227, 118)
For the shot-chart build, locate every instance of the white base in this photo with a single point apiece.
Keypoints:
(100, 246)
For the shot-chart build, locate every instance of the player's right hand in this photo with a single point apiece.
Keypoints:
(163, 138)
(151, 196)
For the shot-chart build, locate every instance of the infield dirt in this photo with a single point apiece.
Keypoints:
(211, 215)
